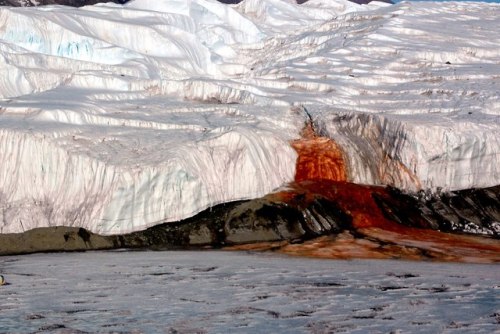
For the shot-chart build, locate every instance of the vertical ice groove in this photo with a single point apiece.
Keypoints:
(116, 118)
(43, 185)
(416, 155)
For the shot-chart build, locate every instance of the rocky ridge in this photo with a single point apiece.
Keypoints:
(305, 212)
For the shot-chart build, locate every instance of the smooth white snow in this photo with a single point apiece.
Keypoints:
(116, 118)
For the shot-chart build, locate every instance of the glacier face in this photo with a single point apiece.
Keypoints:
(115, 118)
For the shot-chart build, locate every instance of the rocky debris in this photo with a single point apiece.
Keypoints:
(52, 239)
(354, 215)
(472, 211)
(264, 219)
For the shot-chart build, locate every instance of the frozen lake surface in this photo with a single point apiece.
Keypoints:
(222, 292)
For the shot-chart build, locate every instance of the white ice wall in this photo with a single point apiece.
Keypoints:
(116, 118)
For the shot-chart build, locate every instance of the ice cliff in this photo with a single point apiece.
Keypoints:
(118, 117)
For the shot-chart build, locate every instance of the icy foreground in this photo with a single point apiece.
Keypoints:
(116, 118)
(219, 292)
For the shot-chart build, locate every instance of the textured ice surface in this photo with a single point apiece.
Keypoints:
(115, 118)
(219, 292)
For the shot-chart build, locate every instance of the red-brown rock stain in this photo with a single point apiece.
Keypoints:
(321, 171)
(318, 158)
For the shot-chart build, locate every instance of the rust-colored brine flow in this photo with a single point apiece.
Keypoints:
(321, 171)
(318, 158)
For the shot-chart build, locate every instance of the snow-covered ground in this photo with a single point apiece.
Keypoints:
(222, 292)
(115, 118)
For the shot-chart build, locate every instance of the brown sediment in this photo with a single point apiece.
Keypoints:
(321, 171)
(373, 235)
(476, 249)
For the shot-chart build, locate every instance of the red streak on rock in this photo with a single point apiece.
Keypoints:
(373, 235)
(321, 171)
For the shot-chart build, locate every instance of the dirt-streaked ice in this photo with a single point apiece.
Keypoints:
(115, 118)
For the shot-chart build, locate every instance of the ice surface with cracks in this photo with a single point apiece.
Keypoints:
(220, 292)
(116, 118)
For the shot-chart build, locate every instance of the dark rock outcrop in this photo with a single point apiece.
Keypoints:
(264, 219)
(472, 211)
(304, 212)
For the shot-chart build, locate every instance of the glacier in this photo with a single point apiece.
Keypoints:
(116, 118)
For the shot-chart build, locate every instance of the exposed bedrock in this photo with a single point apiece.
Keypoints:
(269, 218)
(305, 211)
(474, 211)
